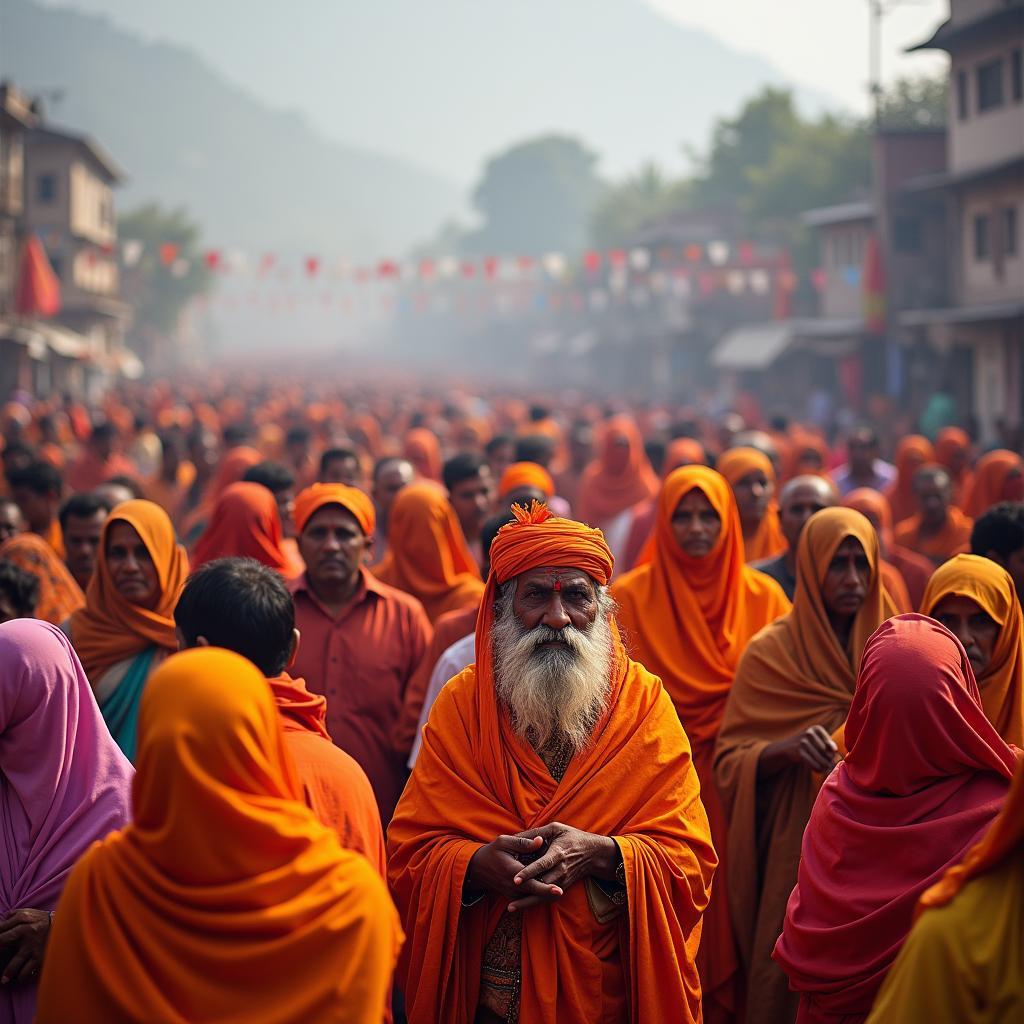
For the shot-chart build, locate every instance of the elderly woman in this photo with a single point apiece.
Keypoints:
(63, 785)
(127, 625)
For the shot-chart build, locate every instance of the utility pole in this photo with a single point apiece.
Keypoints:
(875, 15)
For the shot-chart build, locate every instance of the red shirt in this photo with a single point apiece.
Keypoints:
(362, 662)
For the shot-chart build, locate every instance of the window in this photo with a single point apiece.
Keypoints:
(990, 85)
(906, 234)
(1010, 231)
(46, 188)
(982, 248)
(961, 94)
(1017, 75)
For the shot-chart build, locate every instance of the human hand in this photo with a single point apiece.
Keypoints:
(494, 867)
(23, 935)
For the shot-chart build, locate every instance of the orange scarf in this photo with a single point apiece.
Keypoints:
(768, 541)
(59, 594)
(953, 451)
(110, 629)
(475, 779)
(232, 468)
(952, 539)
(427, 553)
(604, 494)
(990, 587)
(423, 450)
(245, 524)
(913, 452)
(225, 896)
(989, 485)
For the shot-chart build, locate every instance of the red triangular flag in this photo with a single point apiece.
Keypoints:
(38, 290)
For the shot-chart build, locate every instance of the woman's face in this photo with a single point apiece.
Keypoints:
(131, 567)
(696, 524)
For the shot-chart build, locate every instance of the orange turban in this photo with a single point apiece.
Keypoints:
(351, 499)
(521, 475)
(992, 481)
(734, 465)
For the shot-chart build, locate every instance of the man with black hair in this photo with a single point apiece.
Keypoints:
(864, 466)
(99, 461)
(999, 536)
(500, 454)
(298, 455)
(390, 475)
(280, 481)
(37, 490)
(19, 592)
(81, 523)
(470, 492)
(537, 448)
(241, 605)
(16, 455)
(340, 466)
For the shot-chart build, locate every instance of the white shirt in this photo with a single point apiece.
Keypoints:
(460, 655)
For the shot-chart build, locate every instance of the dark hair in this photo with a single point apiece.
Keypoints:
(539, 412)
(241, 605)
(490, 530)
(498, 441)
(39, 477)
(21, 587)
(1000, 529)
(537, 448)
(336, 455)
(298, 435)
(656, 451)
(463, 466)
(271, 475)
(82, 506)
(381, 464)
(103, 432)
(128, 482)
(933, 473)
(236, 434)
(19, 448)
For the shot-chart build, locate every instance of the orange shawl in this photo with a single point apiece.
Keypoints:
(689, 621)
(604, 494)
(225, 897)
(952, 539)
(768, 541)
(244, 524)
(953, 451)
(423, 450)
(475, 779)
(991, 475)
(232, 468)
(427, 553)
(793, 675)
(990, 587)
(110, 629)
(59, 594)
(913, 452)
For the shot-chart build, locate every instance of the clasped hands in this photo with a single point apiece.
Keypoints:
(538, 865)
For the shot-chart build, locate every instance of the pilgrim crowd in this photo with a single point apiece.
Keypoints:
(325, 703)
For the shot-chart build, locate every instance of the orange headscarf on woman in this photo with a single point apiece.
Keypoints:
(734, 465)
(953, 452)
(605, 494)
(427, 553)
(990, 587)
(423, 450)
(109, 628)
(245, 524)
(689, 621)
(232, 468)
(991, 476)
(59, 594)
(913, 452)
(225, 896)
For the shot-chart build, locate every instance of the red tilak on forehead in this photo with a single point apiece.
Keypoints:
(556, 579)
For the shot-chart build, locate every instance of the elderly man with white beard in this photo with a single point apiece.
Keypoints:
(550, 856)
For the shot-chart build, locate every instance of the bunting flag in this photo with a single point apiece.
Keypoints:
(873, 287)
(38, 290)
(168, 253)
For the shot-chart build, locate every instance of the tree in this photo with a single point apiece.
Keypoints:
(911, 103)
(536, 197)
(160, 289)
(630, 205)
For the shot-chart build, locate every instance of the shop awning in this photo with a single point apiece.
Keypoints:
(753, 346)
(990, 313)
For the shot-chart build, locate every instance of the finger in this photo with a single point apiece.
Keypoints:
(541, 866)
(822, 740)
(546, 832)
(815, 759)
(13, 935)
(8, 923)
(553, 893)
(519, 844)
(14, 966)
(29, 969)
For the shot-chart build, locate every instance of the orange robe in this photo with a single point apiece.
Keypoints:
(997, 477)
(475, 779)
(59, 595)
(793, 675)
(953, 539)
(245, 524)
(225, 897)
(953, 451)
(913, 452)
(990, 587)
(689, 621)
(768, 541)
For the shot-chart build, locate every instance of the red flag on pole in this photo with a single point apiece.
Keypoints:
(38, 290)
(168, 253)
(873, 287)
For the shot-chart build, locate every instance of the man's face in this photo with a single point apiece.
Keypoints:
(285, 508)
(103, 446)
(333, 547)
(555, 598)
(390, 480)
(752, 493)
(12, 522)
(298, 453)
(82, 545)
(131, 566)
(799, 504)
(581, 448)
(618, 454)
(696, 524)
(471, 498)
(847, 579)
(203, 453)
(342, 471)
(862, 450)
(500, 458)
(15, 460)
(972, 626)
(38, 509)
(933, 497)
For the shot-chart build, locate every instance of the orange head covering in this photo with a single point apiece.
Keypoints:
(59, 594)
(423, 450)
(427, 553)
(990, 587)
(734, 465)
(353, 500)
(991, 476)
(1004, 838)
(874, 505)
(953, 450)
(604, 492)
(232, 468)
(245, 524)
(521, 475)
(913, 452)
(225, 896)
(684, 451)
(634, 781)
(110, 628)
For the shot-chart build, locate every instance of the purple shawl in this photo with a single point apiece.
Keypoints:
(64, 783)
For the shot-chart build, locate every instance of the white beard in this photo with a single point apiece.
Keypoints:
(553, 694)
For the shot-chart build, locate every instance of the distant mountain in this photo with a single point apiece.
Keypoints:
(252, 176)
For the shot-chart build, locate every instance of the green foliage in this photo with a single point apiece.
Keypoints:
(158, 293)
(630, 205)
(911, 103)
(534, 197)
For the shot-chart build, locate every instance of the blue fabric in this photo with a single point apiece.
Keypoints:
(121, 710)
